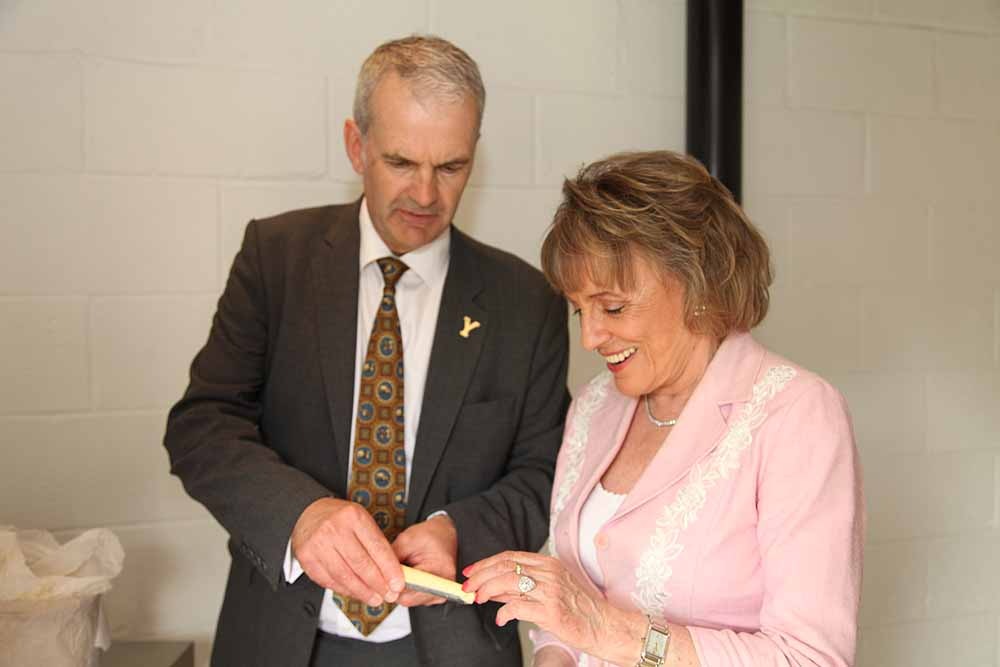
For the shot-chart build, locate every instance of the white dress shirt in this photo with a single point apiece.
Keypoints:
(418, 299)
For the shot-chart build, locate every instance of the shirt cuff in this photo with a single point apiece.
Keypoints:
(438, 513)
(291, 567)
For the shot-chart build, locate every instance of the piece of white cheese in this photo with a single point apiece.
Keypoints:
(425, 582)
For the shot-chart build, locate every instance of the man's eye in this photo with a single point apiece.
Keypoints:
(614, 311)
(576, 312)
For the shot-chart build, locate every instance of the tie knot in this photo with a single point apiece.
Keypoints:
(392, 270)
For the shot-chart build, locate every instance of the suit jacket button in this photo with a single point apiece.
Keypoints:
(310, 609)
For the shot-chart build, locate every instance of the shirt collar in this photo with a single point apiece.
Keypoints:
(428, 262)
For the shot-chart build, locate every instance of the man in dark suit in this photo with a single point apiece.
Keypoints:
(377, 388)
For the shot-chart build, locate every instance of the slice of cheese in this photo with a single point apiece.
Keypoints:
(425, 582)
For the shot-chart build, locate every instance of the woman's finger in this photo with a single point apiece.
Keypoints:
(497, 570)
(522, 557)
(490, 562)
(488, 584)
(505, 564)
(522, 610)
(504, 584)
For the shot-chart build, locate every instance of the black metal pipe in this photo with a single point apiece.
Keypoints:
(714, 92)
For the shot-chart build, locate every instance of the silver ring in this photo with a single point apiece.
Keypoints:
(525, 584)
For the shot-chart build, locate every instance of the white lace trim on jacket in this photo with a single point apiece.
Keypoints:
(654, 569)
(576, 444)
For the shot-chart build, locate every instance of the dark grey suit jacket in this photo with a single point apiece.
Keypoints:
(263, 429)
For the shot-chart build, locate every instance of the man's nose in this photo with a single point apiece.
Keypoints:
(424, 189)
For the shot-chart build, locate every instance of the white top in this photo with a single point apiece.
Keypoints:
(601, 505)
(418, 299)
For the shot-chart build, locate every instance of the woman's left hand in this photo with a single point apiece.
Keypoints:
(557, 603)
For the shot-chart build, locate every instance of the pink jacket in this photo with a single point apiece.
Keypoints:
(747, 525)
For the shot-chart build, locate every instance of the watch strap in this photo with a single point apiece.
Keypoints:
(655, 644)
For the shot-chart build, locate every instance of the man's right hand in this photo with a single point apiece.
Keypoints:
(341, 548)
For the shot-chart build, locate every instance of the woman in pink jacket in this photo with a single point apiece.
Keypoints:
(707, 505)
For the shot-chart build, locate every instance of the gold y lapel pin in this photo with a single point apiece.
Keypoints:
(469, 325)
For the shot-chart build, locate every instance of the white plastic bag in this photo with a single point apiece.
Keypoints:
(50, 597)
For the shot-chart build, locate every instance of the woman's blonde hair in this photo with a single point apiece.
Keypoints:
(667, 209)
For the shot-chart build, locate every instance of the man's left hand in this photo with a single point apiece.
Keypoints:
(431, 546)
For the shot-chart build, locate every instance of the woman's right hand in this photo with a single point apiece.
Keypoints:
(557, 603)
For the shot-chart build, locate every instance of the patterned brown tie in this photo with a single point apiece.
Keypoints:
(378, 471)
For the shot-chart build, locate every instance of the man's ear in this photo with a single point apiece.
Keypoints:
(354, 145)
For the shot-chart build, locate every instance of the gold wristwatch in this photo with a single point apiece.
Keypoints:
(654, 645)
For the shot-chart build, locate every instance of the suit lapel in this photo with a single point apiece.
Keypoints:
(335, 284)
(452, 362)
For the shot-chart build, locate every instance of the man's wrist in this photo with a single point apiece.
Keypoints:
(445, 519)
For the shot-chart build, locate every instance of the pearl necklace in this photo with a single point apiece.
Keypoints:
(659, 423)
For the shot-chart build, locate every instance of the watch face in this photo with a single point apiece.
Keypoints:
(656, 643)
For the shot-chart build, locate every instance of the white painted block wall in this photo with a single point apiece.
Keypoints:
(873, 162)
(138, 137)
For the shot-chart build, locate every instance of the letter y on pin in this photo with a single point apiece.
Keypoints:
(469, 325)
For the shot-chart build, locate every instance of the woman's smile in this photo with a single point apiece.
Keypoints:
(618, 360)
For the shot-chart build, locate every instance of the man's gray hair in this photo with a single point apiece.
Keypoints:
(433, 67)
